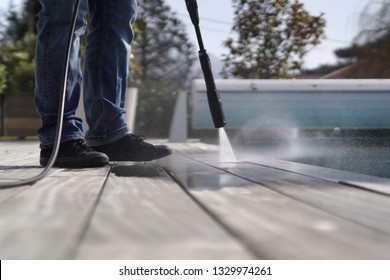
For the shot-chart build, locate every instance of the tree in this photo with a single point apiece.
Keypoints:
(323, 69)
(374, 38)
(3, 78)
(271, 38)
(369, 51)
(21, 23)
(374, 22)
(17, 48)
(374, 51)
(162, 46)
(163, 57)
(18, 59)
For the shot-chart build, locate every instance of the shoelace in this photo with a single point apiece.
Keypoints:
(141, 139)
(81, 143)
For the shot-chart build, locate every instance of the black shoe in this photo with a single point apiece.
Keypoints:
(133, 148)
(74, 154)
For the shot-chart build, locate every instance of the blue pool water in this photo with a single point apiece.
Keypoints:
(299, 109)
(370, 156)
(269, 116)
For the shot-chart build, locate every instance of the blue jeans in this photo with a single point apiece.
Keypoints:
(104, 80)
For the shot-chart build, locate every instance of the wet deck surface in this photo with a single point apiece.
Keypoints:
(191, 206)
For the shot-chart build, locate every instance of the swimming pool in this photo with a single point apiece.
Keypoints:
(340, 124)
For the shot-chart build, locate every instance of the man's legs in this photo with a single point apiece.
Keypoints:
(106, 71)
(106, 68)
(53, 28)
(53, 32)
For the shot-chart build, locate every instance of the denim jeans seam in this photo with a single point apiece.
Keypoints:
(100, 84)
(107, 139)
(68, 138)
(100, 54)
(49, 54)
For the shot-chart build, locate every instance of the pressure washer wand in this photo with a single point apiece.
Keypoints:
(215, 102)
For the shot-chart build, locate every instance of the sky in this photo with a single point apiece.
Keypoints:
(342, 18)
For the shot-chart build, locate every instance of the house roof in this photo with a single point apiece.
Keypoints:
(361, 70)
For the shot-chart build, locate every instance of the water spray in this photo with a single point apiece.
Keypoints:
(214, 100)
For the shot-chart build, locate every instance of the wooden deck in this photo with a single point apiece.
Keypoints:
(190, 206)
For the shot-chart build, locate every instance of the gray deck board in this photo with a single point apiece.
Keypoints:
(46, 220)
(8, 193)
(370, 209)
(143, 214)
(377, 184)
(14, 154)
(277, 225)
(190, 206)
(201, 150)
(17, 162)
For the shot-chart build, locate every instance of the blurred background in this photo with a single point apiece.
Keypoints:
(256, 39)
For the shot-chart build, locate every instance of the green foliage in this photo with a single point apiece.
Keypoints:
(163, 57)
(21, 23)
(160, 67)
(3, 78)
(155, 103)
(18, 59)
(271, 38)
(23, 80)
(17, 48)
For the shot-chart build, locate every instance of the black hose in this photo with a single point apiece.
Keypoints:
(61, 110)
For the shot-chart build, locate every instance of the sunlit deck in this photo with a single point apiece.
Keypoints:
(191, 206)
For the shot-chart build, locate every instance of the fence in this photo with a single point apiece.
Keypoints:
(18, 115)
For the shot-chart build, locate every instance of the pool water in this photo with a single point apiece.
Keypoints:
(359, 155)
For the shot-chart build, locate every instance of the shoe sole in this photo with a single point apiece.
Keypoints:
(76, 162)
(140, 159)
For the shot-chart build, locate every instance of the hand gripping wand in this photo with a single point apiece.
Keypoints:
(214, 100)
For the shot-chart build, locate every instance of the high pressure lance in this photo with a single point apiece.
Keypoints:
(214, 100)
